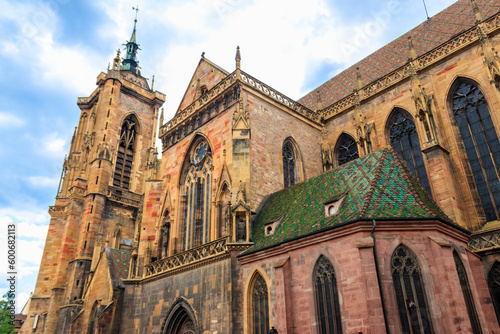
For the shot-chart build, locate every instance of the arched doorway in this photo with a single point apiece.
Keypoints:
(181, 319)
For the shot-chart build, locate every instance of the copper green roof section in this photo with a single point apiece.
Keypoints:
(378, 186)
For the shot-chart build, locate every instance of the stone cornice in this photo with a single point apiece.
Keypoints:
(426, 60)
(127, 87)
(123, 197)
(364, 227)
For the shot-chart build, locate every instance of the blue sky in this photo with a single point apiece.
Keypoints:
(52, 51)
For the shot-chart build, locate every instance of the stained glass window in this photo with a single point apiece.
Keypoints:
(494, 285)
(481, 144)
(327, 298)
(347, 149)
(125, 154)
(404, 139)
(260, 306)
(410, 294)
(469, 302)
(288, 164)
(195, 200)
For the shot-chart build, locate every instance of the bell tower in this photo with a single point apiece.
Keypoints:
(100, 192)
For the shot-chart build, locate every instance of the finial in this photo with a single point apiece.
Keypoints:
(153, 83)
(413, 51)
(319, 102)
(238, 58)
(477, 12)
(161, 117)
(359, 78)
(203, 55)
(136, 8)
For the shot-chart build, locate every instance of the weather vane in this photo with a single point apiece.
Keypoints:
(136, 8)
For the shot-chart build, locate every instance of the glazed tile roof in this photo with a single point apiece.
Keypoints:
(118, 261)
(427, 36)
(377, 186)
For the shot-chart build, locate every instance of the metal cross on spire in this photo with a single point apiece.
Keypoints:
(136, 8)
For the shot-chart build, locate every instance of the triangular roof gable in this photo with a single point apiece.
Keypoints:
(209, 74)
(377, 186)
(438, 29)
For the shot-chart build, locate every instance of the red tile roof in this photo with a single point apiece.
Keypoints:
(428, 35)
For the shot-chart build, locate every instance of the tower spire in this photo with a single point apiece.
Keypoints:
(130, 62)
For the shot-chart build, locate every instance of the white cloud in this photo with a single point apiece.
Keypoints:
(10, 121)
(43, 181)
(53, 146)
(32, 44)
(22, 298)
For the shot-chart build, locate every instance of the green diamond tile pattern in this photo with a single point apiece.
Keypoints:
(118, 261)
(378, 186)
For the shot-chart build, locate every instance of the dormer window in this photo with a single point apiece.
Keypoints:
(332, 207)
(270, 228)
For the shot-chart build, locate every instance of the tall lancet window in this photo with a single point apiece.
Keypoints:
(404, 139)
(195, 201)
(289, 164)
(346, 149)
(469, 301)
(125, 154)
(481, 144)
(327, 298)
(260, 306)
(410, 293)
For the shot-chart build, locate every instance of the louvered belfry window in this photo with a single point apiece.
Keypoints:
(260, 306)
(404, 139)
(288, 164)
(481, 144)
(327, 298)
(494, 285)
(410, 294)
(347, 149)
(125, 154)
(469, 301)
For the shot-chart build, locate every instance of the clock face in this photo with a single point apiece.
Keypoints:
(200, 152)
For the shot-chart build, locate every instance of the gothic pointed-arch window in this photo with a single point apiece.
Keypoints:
(404, 139)
(327, 298)
(494, 285)
(480, 139)
(469, 301)
(195, 199)
(289, 164)
(259, 306)
(410, 294)
(125, 153)
(346, 149)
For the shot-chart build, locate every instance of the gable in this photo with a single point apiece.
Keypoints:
(208, 74)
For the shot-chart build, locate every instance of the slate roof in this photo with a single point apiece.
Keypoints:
(378, 186)
(118, 261)
(427, 36)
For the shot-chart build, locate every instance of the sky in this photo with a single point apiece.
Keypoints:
(52, 51)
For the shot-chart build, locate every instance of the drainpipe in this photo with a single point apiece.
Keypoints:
(378, 276)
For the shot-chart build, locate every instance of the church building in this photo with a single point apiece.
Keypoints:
(370, 205)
